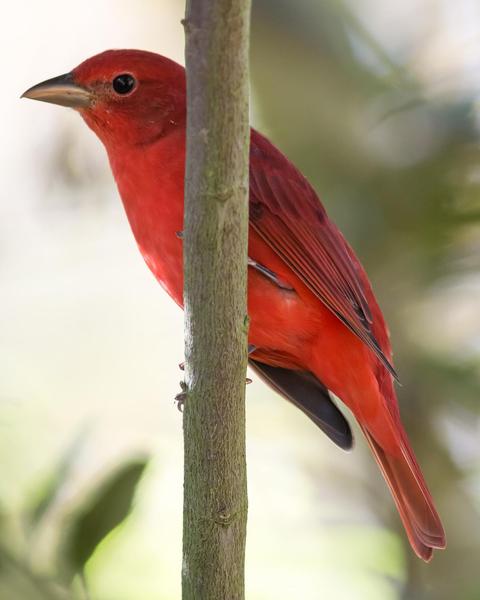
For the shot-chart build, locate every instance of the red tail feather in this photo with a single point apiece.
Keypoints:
(411, 495)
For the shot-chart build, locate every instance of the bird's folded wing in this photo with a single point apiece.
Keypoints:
(286, 212)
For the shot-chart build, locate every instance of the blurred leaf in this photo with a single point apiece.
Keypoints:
(52, 487)
(106, 509)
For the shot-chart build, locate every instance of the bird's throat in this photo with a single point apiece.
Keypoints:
(150, 183)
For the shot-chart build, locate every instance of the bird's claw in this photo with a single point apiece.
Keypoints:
(181, 396)
(180, 400)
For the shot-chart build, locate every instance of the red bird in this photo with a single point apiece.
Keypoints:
(315, 325)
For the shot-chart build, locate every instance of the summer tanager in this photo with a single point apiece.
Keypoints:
(315, 325)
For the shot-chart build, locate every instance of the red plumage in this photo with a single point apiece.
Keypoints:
(322, 323)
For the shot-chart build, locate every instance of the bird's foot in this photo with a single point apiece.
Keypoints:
(180, 398)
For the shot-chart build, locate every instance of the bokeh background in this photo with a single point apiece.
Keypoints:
(377, 102)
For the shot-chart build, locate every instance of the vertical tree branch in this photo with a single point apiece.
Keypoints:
(216, 323)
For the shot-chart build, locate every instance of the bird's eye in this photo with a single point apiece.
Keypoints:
(123, 84)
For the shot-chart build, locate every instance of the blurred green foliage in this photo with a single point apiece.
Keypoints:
(108, 506)
(97, 513)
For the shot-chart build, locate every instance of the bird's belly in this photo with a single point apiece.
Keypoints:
(167, 267)
(279, 319)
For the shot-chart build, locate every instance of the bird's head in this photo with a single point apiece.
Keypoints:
(125, 96)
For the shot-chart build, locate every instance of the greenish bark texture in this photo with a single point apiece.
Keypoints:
(216, 322)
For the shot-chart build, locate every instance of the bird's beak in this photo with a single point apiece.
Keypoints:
(60, 90)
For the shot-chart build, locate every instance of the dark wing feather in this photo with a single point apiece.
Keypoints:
(309, 395)
(286, 212)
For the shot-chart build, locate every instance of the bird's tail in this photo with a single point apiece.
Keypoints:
(409, 490)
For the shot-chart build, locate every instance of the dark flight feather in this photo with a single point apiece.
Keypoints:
(307, 393)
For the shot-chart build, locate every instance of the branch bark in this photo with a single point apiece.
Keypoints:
(216, 322)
